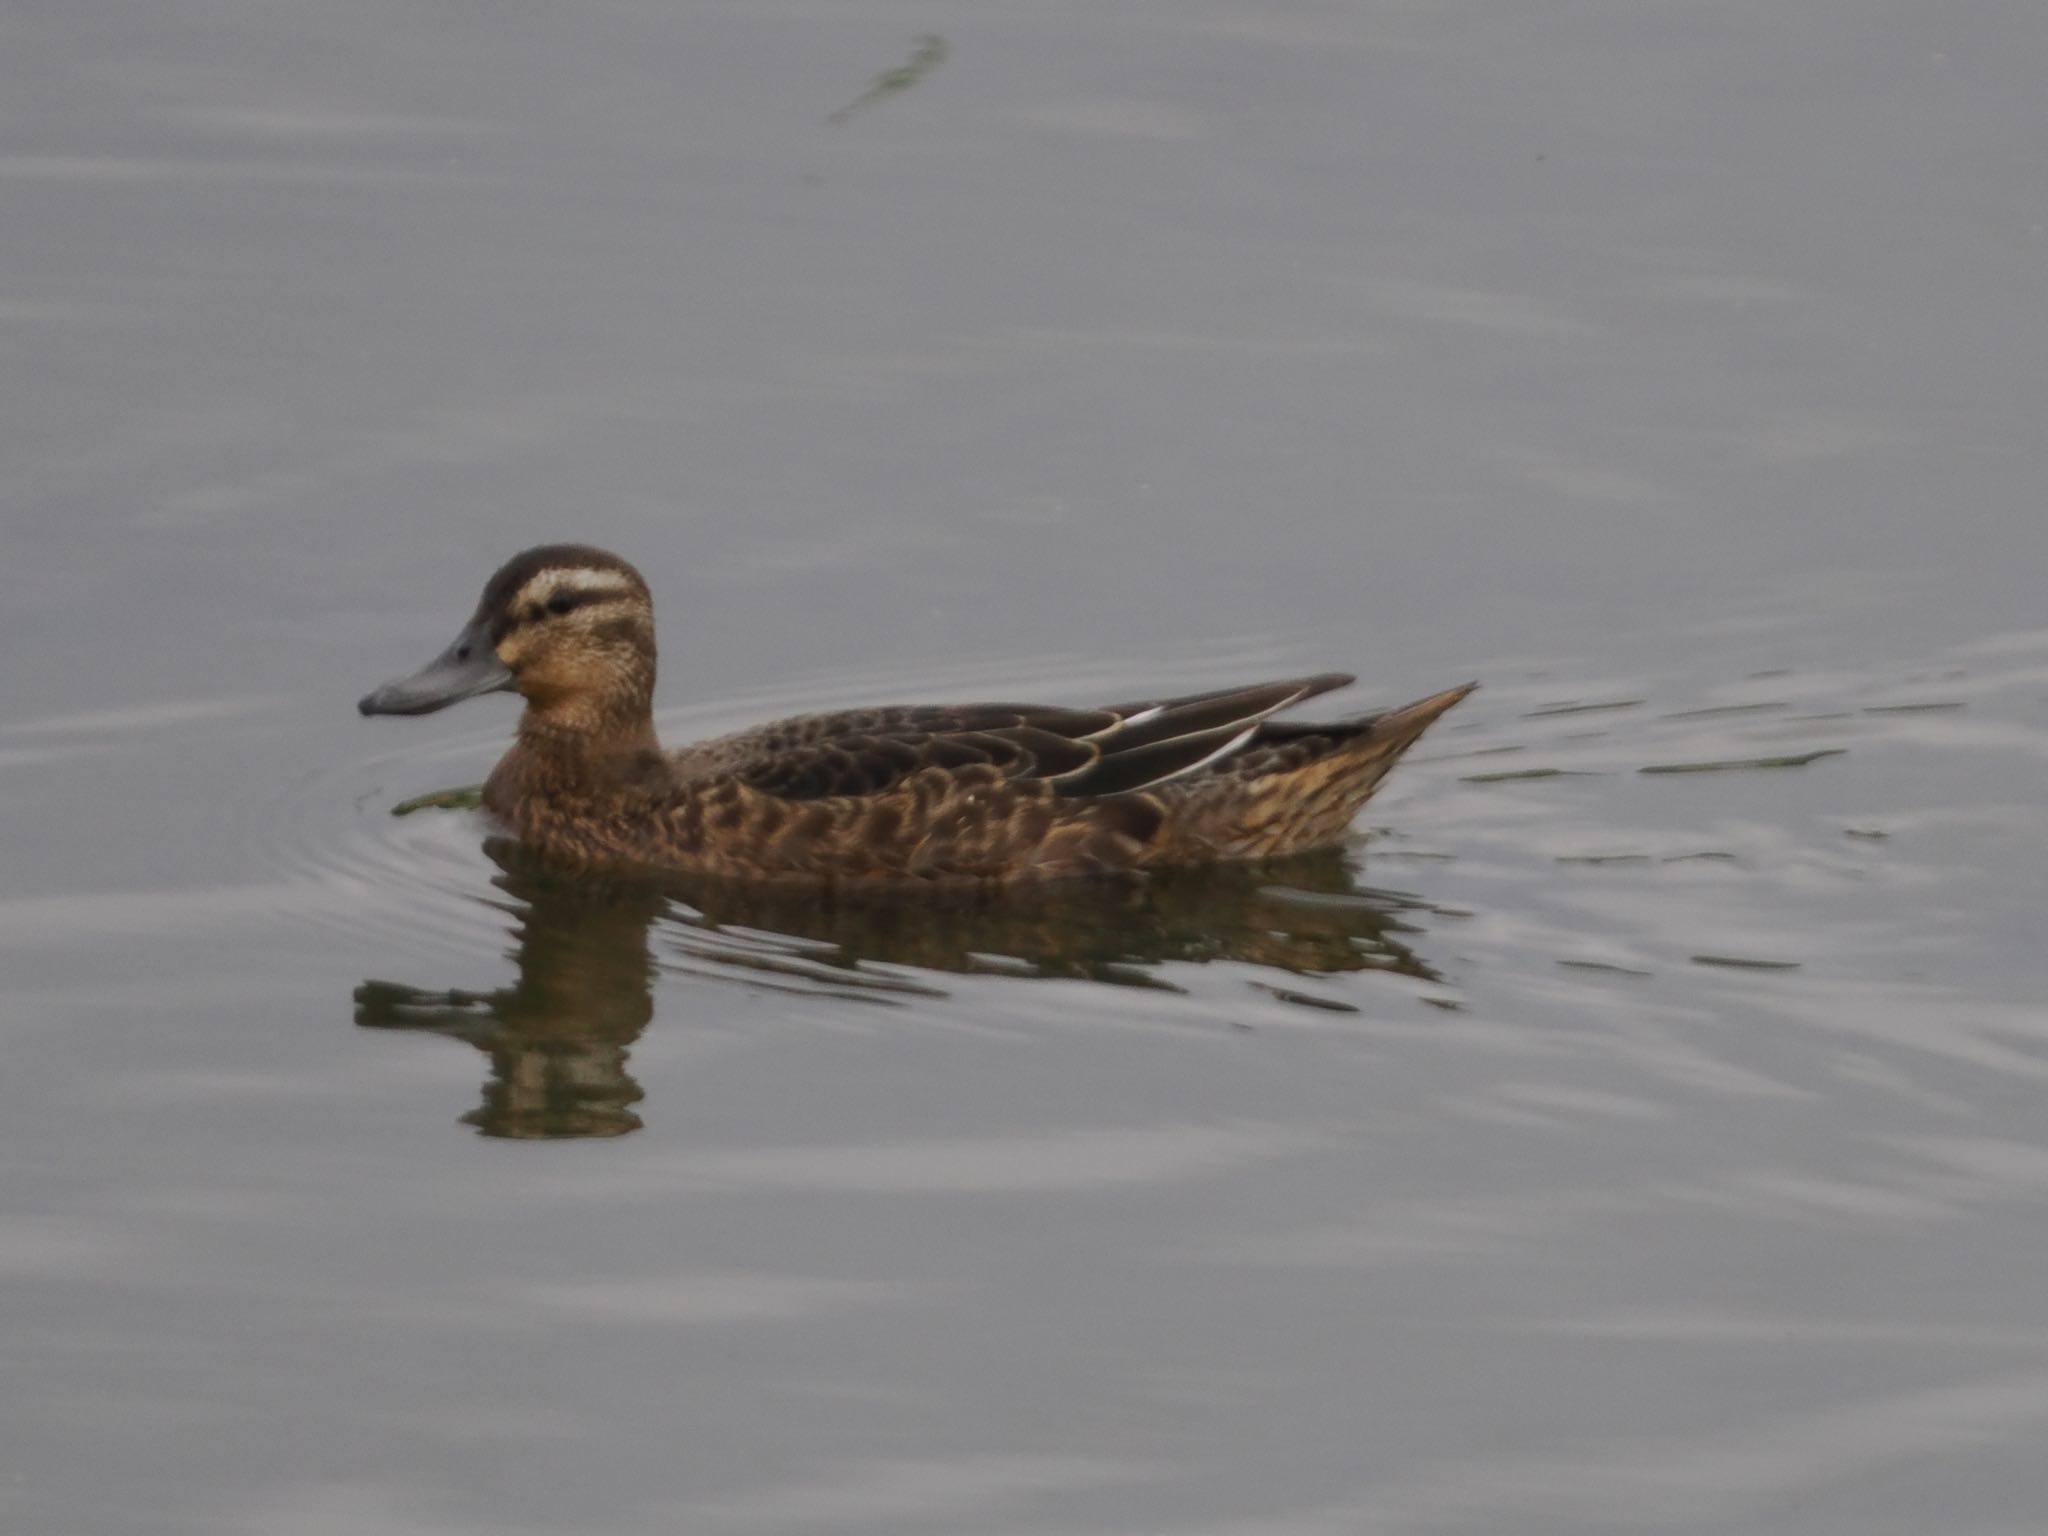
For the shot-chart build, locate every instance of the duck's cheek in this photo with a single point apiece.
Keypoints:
(517, 658)
(542, 679)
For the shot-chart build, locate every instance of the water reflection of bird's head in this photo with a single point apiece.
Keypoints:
(587, 947)
(558, 1036)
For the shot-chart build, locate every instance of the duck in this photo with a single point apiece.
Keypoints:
(903, 795)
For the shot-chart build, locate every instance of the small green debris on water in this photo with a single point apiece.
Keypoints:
(1910, 709)
(1732, 764)
(1506, 775)
(1868, 834)
(1694, 858)
(1604, 968)
(1447, 1004)
(1746, 963)
(929, 54)
(1603, 858)
(467, 798)
(1583, 709)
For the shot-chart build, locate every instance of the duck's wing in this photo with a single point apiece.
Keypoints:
(1114, 749)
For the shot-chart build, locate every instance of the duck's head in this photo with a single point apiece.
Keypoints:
(568, 627)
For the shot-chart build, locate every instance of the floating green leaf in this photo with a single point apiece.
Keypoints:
(929, 54)
(466, 798)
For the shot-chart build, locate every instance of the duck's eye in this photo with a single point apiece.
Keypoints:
(561, 602)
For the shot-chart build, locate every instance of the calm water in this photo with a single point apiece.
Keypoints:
(1586, 1147)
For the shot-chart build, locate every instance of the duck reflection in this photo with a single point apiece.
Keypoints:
(557, 1038)
(587, 948)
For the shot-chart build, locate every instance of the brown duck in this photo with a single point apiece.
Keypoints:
(900, 793)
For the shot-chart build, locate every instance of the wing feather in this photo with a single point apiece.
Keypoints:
(1076, 752)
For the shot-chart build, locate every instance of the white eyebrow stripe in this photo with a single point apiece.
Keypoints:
(574, 578)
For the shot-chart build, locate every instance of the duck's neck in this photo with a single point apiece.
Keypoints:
(571, 752)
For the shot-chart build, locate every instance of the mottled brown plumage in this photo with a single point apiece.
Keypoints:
(911, 793)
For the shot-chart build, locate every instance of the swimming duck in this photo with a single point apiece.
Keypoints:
(901, 793)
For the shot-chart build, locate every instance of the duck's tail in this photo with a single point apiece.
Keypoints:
(1325, 773)
(1395, 731)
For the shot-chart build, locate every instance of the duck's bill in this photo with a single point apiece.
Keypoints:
(467, 668)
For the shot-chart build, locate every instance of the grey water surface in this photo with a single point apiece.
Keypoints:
(1640, 1126)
